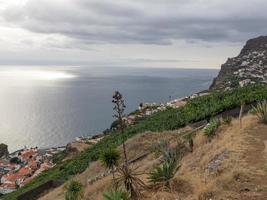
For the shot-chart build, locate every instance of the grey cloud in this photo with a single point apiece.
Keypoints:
(144, 60)
(142, 21)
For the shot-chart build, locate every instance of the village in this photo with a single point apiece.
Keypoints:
(147, 109)
(249, 68)
(19, 168)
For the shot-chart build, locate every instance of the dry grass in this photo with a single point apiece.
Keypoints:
(77, 147)
(241, 174)
(245, 160)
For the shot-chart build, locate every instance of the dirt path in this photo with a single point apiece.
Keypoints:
(256, 162)
(239, 161)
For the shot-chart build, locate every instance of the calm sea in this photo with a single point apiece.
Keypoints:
(50, 106)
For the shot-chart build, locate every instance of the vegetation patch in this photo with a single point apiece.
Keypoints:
(227, 120)
(118, 194)
(163, 173)
(197, 109)
(74, 191)
(211, 128)
(261, 111)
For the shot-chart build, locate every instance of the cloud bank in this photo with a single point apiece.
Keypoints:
(92, 25)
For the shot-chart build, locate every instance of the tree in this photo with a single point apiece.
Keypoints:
(74, 191)
(110, 159)
(114, 125)
(119, 107)
(127, 176)
(15, 160)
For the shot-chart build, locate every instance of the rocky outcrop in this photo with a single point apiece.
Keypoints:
(3, 150)
(249, 67)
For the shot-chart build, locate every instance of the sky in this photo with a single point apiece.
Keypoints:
(127, 33)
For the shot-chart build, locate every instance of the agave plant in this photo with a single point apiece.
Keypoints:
(74, 191)
(163, 173)
(128, 178)
(118, 194)
(261, 111)
(163, 145)
(168, 153)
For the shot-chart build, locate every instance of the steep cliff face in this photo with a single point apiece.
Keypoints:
(249, 67)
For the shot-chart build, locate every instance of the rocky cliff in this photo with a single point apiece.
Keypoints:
(249, 67)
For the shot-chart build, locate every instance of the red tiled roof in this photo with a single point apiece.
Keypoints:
(28, 154)
(8, 186)
(13, 177)
(32, 163)
(24, 171)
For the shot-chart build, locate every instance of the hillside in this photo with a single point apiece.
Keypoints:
(197, 109)
(249, 67)
(232, 166)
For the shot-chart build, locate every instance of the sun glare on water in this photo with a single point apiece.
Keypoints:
(36, 75)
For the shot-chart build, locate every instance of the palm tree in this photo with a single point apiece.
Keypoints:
(110, 159)
(127, 176)
(74, 191)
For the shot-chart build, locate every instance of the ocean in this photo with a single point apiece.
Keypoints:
(50, 106)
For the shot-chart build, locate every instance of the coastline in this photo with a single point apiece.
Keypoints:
(49, 157)
(148, 109)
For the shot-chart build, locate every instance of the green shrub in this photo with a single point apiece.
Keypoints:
(118, 194)
(74, 191)
(261, 111)
(211, 127)
(163, 173)
(227, 120)
(110, 158)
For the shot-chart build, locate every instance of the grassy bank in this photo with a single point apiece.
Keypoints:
(197, 109)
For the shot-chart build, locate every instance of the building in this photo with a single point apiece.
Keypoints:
(14, 175)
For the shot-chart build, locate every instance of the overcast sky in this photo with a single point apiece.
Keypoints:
(128, 33)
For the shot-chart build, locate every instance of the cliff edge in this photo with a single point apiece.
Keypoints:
(249, 67)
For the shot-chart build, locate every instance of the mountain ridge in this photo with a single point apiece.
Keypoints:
(249, 67)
